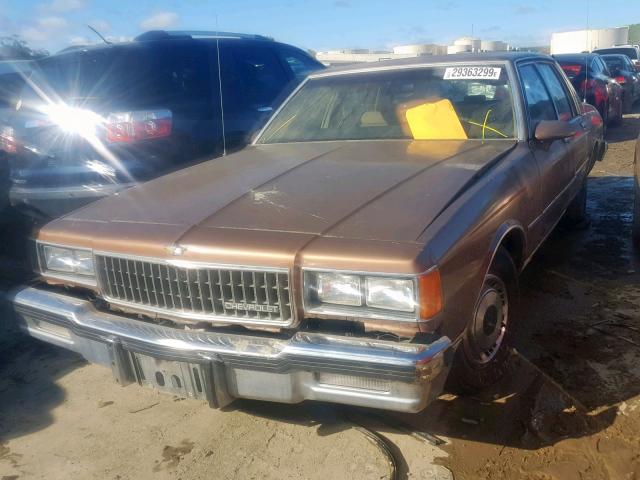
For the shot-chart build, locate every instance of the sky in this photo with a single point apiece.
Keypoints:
(315, 24)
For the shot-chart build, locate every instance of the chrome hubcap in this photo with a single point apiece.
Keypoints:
(490, 319)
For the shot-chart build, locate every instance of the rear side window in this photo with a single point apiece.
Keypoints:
(256, 79)
(539, 103)
(300, 64)
(184, 75)
(116, 78)
(558, 93)
(616, 63)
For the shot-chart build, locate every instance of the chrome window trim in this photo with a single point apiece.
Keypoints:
(177, 314)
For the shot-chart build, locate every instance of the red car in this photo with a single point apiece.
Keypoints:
(593, 81)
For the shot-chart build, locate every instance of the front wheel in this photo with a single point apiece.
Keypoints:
(482, 358)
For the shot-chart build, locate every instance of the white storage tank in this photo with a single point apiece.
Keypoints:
(458, 49)
(474, 43)
(587, 40)
(493, 46)
(420, 49)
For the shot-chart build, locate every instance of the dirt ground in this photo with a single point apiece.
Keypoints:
(569, 409)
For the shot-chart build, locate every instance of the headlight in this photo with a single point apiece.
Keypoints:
(404, 298)
(391, 293)
(338, 289)
(67, 260)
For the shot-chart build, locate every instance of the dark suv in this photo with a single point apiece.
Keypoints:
(11, 82)
(94, 120)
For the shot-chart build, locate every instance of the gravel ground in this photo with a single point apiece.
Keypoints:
(570, 408)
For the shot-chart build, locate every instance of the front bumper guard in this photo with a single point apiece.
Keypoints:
(306, 366)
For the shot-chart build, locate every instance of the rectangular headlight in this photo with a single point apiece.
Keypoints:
(338, 289)
(67, 260)
(361, 295)
(391, 294)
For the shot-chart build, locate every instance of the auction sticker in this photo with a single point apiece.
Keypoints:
(472, 73)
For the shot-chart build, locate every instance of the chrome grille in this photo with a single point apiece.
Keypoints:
(199, 292)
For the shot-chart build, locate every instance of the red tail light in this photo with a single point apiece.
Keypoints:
(572, 70)
(126, 127)
(599, 91)
(8, 141)
(621, 80)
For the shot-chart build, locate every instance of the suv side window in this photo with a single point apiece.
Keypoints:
(603, 67)
(558, 93)
(299, 63)
(539, 103)
(258, 77)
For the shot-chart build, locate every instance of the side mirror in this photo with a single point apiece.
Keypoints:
(549, 130)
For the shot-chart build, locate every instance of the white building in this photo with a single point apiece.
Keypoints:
(349, 56)
(588, 40)
(475, 45)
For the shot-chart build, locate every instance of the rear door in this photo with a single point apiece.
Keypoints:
(556, 169)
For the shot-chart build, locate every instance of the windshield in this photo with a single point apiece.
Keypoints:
(435, 103)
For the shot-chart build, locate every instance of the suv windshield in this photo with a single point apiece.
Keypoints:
(435, 103)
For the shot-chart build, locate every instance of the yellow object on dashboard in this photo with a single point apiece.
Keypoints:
(435, 121)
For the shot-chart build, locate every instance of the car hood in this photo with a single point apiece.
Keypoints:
(366, 190)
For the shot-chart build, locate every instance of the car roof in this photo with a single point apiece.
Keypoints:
(422, 60)
(614, 55)
(575, 57)
(156, 37)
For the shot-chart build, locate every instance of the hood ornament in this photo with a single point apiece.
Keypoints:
(176, 250)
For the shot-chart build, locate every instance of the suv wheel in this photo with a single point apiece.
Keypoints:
(482, 358)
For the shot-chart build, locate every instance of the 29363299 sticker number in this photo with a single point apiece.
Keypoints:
(472, 73)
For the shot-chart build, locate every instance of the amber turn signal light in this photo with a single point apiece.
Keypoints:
(430, 294)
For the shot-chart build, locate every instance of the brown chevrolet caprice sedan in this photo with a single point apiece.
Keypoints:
(364, 248)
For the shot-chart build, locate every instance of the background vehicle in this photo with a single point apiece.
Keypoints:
(12, 75)
(593, 83)
(373, 232)
(94, 120)
(626, 75)
(631, 51)
(636, 210)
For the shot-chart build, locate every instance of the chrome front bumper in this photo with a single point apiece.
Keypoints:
(306, 366)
